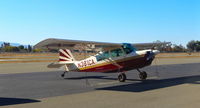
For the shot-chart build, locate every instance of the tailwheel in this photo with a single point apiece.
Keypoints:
(122, 77)
(143, 75)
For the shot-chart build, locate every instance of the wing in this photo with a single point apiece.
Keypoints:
(53, 43)
(150, 45)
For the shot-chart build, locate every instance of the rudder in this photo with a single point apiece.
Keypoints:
(65, 56)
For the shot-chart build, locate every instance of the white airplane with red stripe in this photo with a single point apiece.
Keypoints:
(111, 57)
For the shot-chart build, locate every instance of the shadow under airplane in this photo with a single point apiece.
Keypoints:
(13, 101)
(154, 84)
(85, 77)
(97, 77)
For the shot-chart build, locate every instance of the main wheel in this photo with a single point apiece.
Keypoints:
(122, 77)
(143, 75)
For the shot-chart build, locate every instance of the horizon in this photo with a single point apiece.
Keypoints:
(117, 21)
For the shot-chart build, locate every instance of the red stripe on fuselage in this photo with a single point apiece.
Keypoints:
(126, 65)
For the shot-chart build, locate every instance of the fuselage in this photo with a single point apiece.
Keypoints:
(111, 62)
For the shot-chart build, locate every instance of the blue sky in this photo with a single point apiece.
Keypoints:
(134, 21)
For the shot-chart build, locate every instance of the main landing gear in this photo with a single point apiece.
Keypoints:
(142, 74)
(122, 77)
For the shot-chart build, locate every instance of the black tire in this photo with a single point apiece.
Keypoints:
(63, 75)
(143, 75)
(122, 77)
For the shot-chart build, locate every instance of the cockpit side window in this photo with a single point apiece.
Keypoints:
(103, 56)
(116, 53)
(106, 54)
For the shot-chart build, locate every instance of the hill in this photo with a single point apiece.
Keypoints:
(12, 44)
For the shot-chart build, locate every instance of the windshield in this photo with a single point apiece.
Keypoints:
(128, 48)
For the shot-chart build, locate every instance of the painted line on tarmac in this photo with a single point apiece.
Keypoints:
(154, 77)
(105, 83)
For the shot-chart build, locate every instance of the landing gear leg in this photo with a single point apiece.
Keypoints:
(63, 74)
(122, 77)
(142, 74)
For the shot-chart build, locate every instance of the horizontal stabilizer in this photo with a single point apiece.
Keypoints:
(55, 65)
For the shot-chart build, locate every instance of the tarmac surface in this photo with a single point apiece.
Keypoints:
(169, 85)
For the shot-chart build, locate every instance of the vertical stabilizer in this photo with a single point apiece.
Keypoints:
(65, 56)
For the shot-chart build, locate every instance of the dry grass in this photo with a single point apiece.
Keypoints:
(180, 54)
(28, 61)
(35, 57)
(177, 55)
(28, 54)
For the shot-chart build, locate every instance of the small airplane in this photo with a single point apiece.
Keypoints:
(111, 57)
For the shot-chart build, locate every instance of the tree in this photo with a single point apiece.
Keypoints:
(11, 49)
(30, 48)
(21, 47)
(178, 48)
(194, 45)
(163, 47)
(37, 50)
(5, 44)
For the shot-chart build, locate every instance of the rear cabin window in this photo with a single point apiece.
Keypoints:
(116, 53)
